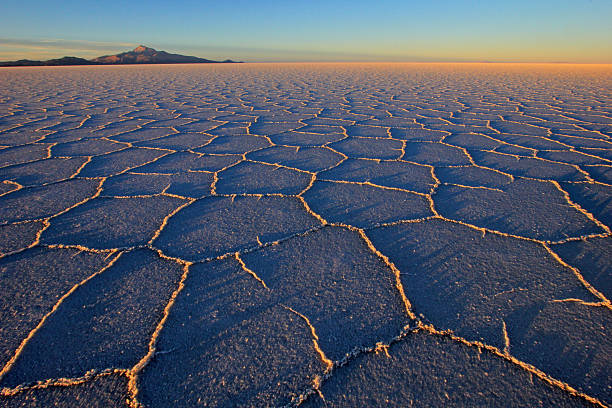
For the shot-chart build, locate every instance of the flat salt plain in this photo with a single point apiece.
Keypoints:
(306, 234)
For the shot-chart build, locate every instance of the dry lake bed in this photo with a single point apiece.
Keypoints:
(340, 235)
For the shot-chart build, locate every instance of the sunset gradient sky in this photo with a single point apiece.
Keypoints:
(315, 30)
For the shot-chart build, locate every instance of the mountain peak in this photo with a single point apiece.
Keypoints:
(139, 55)
(142, 48)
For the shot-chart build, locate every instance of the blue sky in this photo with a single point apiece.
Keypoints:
(267, 30)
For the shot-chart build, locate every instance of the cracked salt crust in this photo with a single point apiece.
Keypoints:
(499, 161)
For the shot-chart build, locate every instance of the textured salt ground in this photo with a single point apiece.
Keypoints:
(528, 167)
(178, 142)
(592, 257)
(105, 223)
(294, 138)
(43, 171)
(143, 135)
(426, 371)
(104, 392)
(15, 237)
(485, 293)
(181, 161)
(407, 176)
(343, 235)
(334, 267)
(525, 213)
(23, 154)
(472, 176)
(103, 324)
(215, 226)
(192, 184)
(257, 178)
(364, 206)
(85, 148)
(41, 202)
(29, 294)
(232, 343)
(371, 148)
(313, 159)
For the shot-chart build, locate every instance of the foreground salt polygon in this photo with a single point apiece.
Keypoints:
(327, 235)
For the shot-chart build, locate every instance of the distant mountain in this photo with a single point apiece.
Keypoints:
(139, 55)
(146, 55)
(55, 62)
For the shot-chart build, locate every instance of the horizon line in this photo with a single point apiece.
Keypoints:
(433, 61)
(332, 57)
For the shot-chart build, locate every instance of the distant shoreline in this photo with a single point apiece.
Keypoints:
(140, 55)
(8, 64)
(585, 64)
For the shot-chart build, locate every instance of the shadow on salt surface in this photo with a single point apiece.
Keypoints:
(228, 342)
(573, 157)
(473, 176)
(418, 135)
(258, 178)
(182, 161)
(472, 141)
(178, 142)
(592, 257)
(519, 210)
(603, 174)
(87, 147)
(319, 120)
(232, 339)
(200, 126)
(364, 206)
(185, 184)
(43, 171)
(230, 129)
(104, 223)
(365, 147)
(41, 202)
(128, 184)
(105, 323)
(435, 154)
(530, 142)
(15, 237)
(305, 139)
(120, 161)
(23, 154)
(562, 335)
(516, 150)
(234, 144)
(366, 131)
(268, 129)
(424, 370)
(486, 291)
(311, 159)
(321, 129)
(595, 198)
(396, 174)
(144, 134)
(215, 226)
(30, 290)
(522, 128)
(19, 137)
(527, 167)
(333, 278)
(104, 392)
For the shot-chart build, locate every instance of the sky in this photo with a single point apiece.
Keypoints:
(577, 31)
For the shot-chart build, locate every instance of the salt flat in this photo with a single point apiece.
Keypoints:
(306, 234)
